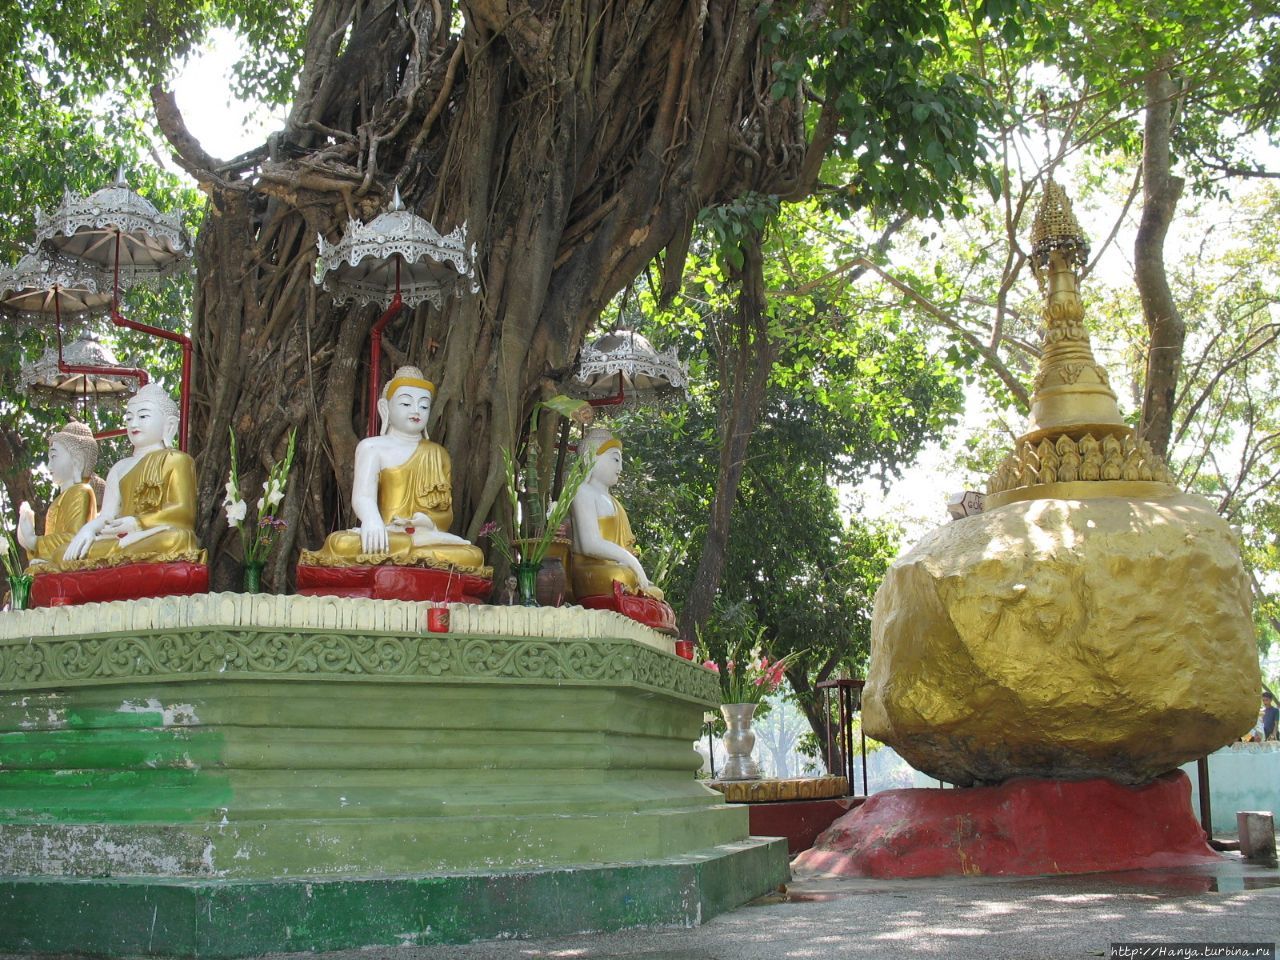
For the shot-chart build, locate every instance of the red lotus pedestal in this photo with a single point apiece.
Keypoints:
(1025, 827)
(652, 613)
(130, 581)
(388, 582)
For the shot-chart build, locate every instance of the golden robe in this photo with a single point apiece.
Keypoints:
(595, 576)
(160, 492)
(422, 484)
(71, 509)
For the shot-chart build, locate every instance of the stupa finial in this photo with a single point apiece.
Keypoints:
(1072, 395)
(1056, 229)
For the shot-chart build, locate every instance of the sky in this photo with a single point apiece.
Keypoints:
(226, 127)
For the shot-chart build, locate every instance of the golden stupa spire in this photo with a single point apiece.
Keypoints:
(1075, 431)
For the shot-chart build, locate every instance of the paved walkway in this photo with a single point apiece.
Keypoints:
(979, 918)
(998, 918)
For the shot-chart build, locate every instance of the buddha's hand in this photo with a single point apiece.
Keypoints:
(26, 526)
(421, 521)
(373, 537)
(80, 543)
(118, 528)
(642, 578)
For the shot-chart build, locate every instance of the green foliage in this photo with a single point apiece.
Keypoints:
(853, 392)
(911, 116)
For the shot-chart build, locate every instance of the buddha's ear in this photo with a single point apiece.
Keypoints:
(384, 413)
(170, 430)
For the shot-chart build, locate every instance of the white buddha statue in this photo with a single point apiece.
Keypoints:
(402, 492)
(149, 507)
(73, 453)
(602, 538)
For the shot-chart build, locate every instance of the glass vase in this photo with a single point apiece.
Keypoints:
(527, 582)
(20, 591)
(739, 740)
(253, 576)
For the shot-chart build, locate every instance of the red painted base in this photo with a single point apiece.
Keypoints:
(387, 582)
(132, 581)
(1026, 827)
(652, 613)
(800, 821)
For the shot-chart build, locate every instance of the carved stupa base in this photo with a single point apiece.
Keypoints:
(391, 582)
(656, 614)
(130, 581)
(1027, 827)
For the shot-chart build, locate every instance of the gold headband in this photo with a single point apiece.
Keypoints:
(609, 444)
(399, 382)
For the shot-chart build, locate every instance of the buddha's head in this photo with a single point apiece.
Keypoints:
(605, 450)
(405, 405)
(151, 418)
(73, 453)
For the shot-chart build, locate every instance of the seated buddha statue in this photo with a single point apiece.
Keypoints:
(602, 538)
(149, 507)
(402, 492)
(73, 453)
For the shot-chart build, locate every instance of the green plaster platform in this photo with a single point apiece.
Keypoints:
(319, 773)
(235, 918)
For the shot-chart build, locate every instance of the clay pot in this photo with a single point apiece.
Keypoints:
(552, 582)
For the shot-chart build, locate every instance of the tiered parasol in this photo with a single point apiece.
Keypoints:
(84, 370)
(116, 230)
(46, 288)
(396, 260)
(622, 369)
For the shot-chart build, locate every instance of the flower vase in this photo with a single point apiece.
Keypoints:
(253, 576)
(739, 740)
(551, 582)
(527, 582)
(20, 591)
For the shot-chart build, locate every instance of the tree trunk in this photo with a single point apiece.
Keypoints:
(17, 482)
(1161, 191)
(575, 139)
(746, 355)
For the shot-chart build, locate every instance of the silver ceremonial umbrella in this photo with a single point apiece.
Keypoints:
(396, 256)
(619, 370)
(118, 230)
(396, 260)
(622, 369)
(115, 230)
(87, 370)
(46, 288)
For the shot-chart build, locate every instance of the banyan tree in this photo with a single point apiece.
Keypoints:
(578, 141)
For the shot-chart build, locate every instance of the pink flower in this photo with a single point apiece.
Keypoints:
(711, 665)
(489, 529)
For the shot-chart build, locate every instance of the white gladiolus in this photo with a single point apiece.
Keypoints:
(233, 493)
(236, 512)
(272, 494)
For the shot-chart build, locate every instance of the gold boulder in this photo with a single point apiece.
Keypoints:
(1065, 638)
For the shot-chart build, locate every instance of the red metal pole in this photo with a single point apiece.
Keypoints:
(614, 400)
(184, 402)
(375, 352)
(133, 373)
